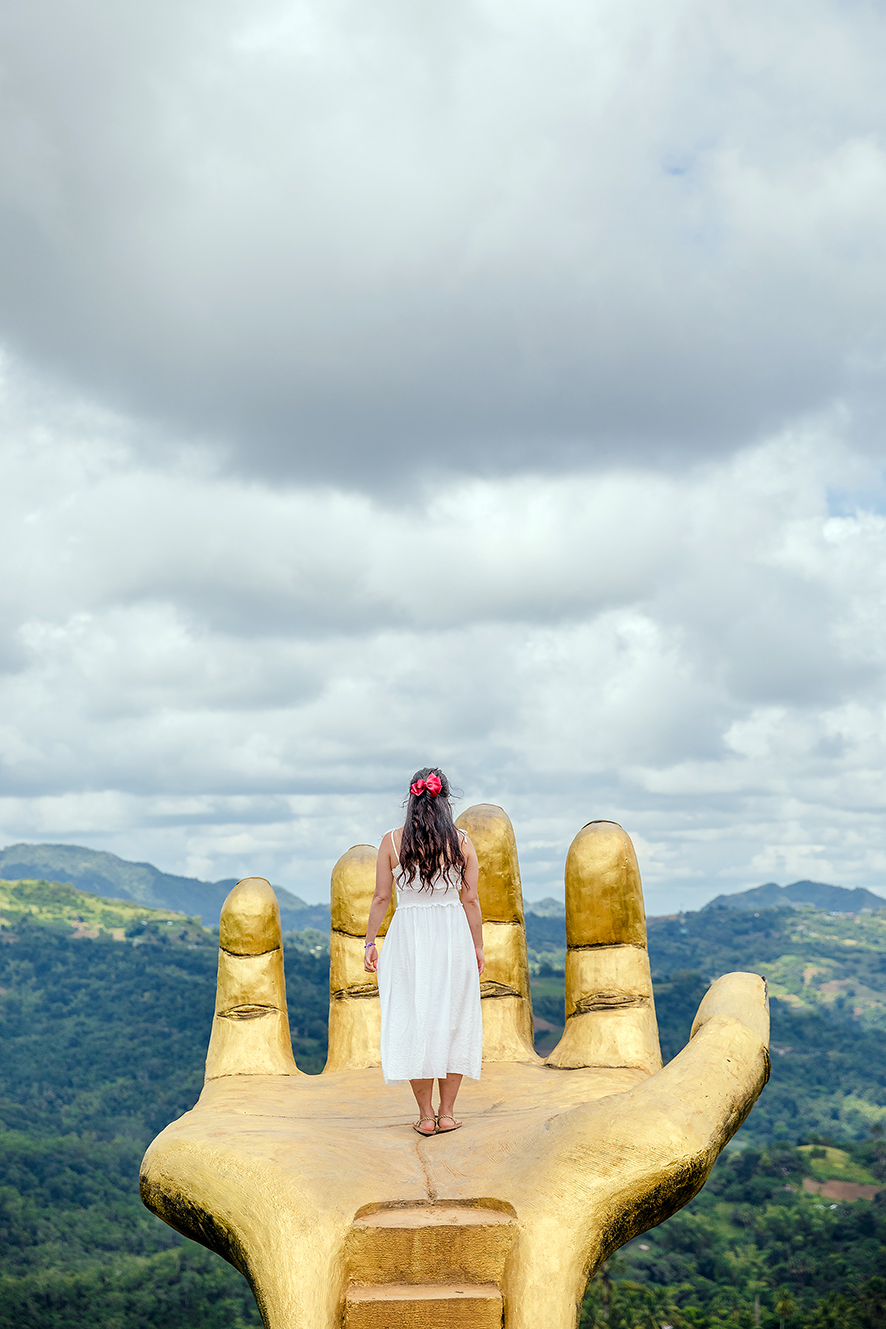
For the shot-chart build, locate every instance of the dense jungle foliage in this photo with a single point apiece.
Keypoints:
(102, 1040)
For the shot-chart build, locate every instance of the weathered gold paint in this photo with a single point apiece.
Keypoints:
(353, 884)
(610, 1008)
(603, 887)
(606, 976)
(319, 1191)
(610, 1013)
(354, 1014)
(347, 972)
(507, 999)
(430, 1243)
(407, 1306)
(492, 835)
(250, 1031)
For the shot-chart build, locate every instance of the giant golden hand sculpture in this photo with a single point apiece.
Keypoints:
(339, 1215)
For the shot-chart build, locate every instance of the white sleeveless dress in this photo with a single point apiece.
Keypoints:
(428, 985)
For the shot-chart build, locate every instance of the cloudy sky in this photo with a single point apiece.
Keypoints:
(497, 385)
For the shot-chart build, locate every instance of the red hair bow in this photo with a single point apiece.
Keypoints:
(433, 784)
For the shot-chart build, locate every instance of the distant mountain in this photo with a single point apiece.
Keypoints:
(546, 908)
(88, 915)
(545, 924)
(105, 874)
(836, 899)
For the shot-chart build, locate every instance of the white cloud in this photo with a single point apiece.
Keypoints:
(353, 243)
(228, 677)
(494, 384)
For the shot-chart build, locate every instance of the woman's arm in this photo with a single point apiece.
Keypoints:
(470, 901)
(384, 885)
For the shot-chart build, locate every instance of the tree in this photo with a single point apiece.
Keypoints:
(785, 1307)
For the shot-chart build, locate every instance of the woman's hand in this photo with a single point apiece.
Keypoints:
(370, 959)
(481, 959)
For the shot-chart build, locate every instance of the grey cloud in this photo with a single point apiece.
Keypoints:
(358, 245)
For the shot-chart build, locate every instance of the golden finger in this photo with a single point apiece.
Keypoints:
(250, 1031)
(707, 1091)
(507, 1001)
(610, 1012)
(354, 1014)
(618, 1166)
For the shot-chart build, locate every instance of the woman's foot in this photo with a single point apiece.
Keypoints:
(453, 1126)
(419, 1126)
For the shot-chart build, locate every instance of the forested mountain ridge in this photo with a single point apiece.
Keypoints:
(102, 1042)
(819, 894)
(100, 873)
(87, 915)
(104, 874)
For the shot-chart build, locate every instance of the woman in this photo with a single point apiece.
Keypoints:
(430, 967)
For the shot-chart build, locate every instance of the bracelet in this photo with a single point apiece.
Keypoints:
(368, 944)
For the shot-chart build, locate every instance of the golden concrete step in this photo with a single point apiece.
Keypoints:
(424, 1306)
(430, 1243)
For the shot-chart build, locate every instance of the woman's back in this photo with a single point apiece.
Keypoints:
(429, 967)
(443, 889)
(427, 978)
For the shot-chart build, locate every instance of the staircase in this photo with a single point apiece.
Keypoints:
(428, 1266)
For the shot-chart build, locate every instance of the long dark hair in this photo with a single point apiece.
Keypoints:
(430, 844)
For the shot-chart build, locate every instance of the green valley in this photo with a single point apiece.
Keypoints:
(105, 1009)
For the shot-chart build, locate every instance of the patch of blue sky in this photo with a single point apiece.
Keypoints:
(851, 501)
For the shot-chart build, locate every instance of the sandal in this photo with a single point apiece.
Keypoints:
(416, 1126)
(447, 1130)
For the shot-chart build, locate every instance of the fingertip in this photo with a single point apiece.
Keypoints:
(250, 919)
(737, 996)
(250, 1031)
(353, 883)
(610, 1009)
(490, 831)
(354, 1018)
(604, 896)
(507, 1003)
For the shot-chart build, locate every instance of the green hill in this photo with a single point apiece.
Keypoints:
(54, 903)
(827, 983)
(102, 1043)
(813, 960)
(105, 1010)
(837, 899)
(546, 919)
(104, 874)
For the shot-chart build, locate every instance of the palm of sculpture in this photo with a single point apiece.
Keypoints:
(316, 1190)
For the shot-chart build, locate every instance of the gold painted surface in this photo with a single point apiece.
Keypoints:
(250, 919)
(354, 1033)
(430, 1244)
(506, 1006)
(354, 1013)
(607, 976)
(277, 1170)
(492, 835)
(609, 1004)
(507, 1028)
(409, 1307)
(603, 891)
(503, 1037)
(504, 947)
(353, 882)
(250, 1030)
(609, 1038)
(346, 968)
